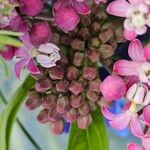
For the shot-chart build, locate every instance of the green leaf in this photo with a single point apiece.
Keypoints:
(93, 138)
(7, 40)
(8, 116)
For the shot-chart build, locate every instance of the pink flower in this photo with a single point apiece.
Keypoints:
(140, 66)
(129, 118)
(25, 54)
(146, 115)
(136, 13)
(49, 55)
(117, 86)
(66, 13)
(133, 146)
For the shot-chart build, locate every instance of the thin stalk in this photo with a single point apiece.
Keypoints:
(10, 33)
(21, 125)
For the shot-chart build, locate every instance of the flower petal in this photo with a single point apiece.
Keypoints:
(136, 51)
(146, 115)
(135, 126)
(19, 66)
(135, 2)
(81, 7)
(147, 52)
(43, 59)
(118, 8)
(32, 67)
(122, 121)
(146, 143)
(126, 68)
(129, 34)
(133, 146)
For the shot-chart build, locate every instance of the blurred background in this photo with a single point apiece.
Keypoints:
(41, 133)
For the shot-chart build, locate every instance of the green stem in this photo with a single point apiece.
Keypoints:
(10, 33)
(21, 125)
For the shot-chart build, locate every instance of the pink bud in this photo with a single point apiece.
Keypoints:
(57, 127)
(84, 122)
(53, 115)
(76, 87)
(66, 18)
(56, 73)
(76, 101)
(93, 55)
(43, 116)
(92, 96)
(72, 73)
(62, 104)
(71, 115)
(31, 7)
(89, 73)
(94, 85)
(84, 109)
(50, 101)
(43, 85)
(40, 33)
(78, 59)
(77, 44)
(114, 84)
(62, 86)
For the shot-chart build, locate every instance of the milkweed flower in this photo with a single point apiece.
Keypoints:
(66, 13)
(100, 1)
(136, 14)
(139, 66)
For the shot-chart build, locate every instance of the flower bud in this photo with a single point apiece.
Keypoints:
(93, 55)
(55, 39)
(43, 116)
(89, 73)
(76, 87)
(72, 73)
(62, 86)
(56, 73)
(84, 122)
(92, 106)
(95, 28)
(93, 42)
(31, 7)
(78, 59)
(66, 40)
(53, 115)
(94, 85)
(63, 15)
(106, 35)
(85, 20)
(40, 33)
(84, 33)
(50, 101)
(43, 85)
(106, 51)
(92, 96)
(57, 127)
(77, 44)
(117, 86)
(76, 101)
(71, 115)
(62, 104)
(84, 109)
(34, 100)
(119, 35)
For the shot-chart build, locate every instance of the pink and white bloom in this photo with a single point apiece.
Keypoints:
(133, 146)
(139, 66)
(48, 56)
(66, 13)
(136, 14)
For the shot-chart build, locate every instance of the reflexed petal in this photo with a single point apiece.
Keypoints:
(32, 67)
(129, 34)
(136, 51)
(126, 68)
(146, 143)
(118, 8)
(19, 66)
(146, 115)
(122, 121)
(147, 52)
(133, 146)
(135, 2)
(135, 126)
(81, 8)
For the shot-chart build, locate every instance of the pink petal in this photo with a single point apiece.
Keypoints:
(135, 2)
(146, 143)
(146, 115)
(108, 114)
(32, 67)
(136, 51)
(126, 68)
(122, 121)
(133, 146)
(81, 8)
(22, 52)
(129, 34)
(118, 8)
(147, 52)
(135, 126)
(19, 66)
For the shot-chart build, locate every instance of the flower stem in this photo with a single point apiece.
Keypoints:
(21, 125)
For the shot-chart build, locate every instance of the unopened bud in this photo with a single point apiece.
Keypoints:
(92, 96)
(76, 101)
(94, 85)
(86, 20)
(94, 42)
(77, 44)
(43, 116)
(62, 86)
(84, 109)
(72, 73)
(84, 122)
(84, 33)
(71, 115)
(53, 115)
(89, 73)
(93, 55)
(78, 59)
(95, 28)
